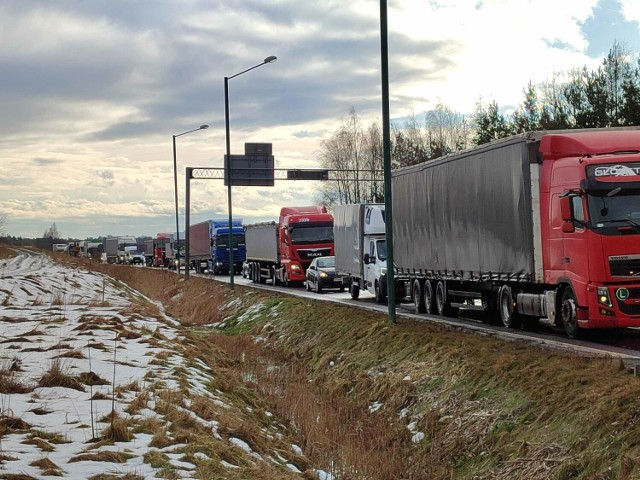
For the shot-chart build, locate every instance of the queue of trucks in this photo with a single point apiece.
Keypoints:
(541, 226)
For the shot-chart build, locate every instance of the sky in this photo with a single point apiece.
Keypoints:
(93, 91)
(53, 314)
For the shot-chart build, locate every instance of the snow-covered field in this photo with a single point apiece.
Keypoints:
(75, 346)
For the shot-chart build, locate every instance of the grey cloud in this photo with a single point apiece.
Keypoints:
(47, 161)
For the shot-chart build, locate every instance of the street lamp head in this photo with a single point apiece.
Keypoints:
(270, 59)
(204, 127)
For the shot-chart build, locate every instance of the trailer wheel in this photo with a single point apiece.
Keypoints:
(354, 289)
(569, 313)
(506, 307)
(428, 297)
(443, 307)
(418, 297)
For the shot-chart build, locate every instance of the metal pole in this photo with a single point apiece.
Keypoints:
(175, 183)
(269, 59)
(187, 221)
(228, 165)
(386, 147)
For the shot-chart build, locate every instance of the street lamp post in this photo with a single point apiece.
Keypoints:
(269, 59)
(175, 184)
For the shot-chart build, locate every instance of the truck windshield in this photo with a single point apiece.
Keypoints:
(223, 240)
(381, 247)
(614, 208)
(311, 234)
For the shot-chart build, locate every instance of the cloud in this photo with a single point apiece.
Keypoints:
(607, 24)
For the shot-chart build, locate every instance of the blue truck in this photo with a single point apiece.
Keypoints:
(209, 246)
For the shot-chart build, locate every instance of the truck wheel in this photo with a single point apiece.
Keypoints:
(418, 297)
(274, 279)
(428, 297)
(253, 272)
(354, 290)
(380, 297)
(286, 279)
(569, 313)
(443, 307)
(506, 307)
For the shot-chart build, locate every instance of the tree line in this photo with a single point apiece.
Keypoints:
(608, 96)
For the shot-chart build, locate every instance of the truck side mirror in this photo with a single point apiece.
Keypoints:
(567, 215)
(369, 259)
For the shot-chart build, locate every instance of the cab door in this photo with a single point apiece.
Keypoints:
(370, 267)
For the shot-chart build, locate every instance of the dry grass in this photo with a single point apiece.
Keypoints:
(48, 467)
(58, 376)
(105, 456)
(40, 443)
(354, 391)
(118, 430)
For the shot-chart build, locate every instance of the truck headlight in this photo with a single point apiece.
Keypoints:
(603, 297)
(295, 268)
(383, 271)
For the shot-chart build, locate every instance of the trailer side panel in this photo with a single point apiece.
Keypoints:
(467, 215)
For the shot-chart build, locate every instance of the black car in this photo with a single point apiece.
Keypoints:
(321, 274)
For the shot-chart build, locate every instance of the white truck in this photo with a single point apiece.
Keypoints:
(360, 247)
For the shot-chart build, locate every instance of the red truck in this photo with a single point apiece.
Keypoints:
(539, 226)
(281, 252)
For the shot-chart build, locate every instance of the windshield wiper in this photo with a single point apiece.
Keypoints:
(623, 220)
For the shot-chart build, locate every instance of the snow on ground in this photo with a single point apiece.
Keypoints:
(56, 319)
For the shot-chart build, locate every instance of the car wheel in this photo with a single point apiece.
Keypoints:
(307, 286)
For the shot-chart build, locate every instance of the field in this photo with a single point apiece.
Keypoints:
(213, 383)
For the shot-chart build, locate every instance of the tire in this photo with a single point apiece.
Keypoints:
(569, 313)
(274, 279)
(428, 297)
(354, 290)
(286, 279)
(418, 297)
(307, 287)
(508, 314)
(380, 297)
(443, 307)
(318, 287)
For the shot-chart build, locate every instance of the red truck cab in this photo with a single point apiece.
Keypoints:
(304, 233)
(590, 226)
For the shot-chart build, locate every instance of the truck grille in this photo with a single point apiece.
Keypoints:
(625, 266)
(630, 308)
(310, 254)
